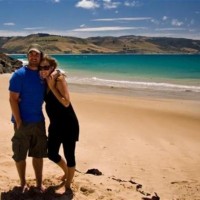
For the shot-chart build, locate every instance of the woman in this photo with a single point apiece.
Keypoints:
(64, 126)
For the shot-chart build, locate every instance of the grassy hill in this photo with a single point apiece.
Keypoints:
(55, 44)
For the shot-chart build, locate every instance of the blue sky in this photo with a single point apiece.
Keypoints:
(88, 18)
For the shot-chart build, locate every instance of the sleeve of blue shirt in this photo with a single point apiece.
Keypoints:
(16, 82)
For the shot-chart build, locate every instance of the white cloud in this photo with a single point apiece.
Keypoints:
(176, 22)
(87, 4)
(56, 1)
(170, 29)
(108, 4)
(164, 18)
(130, 3)
(6, 33)
(82, 25)
(155, 21)
(34, 28)
(111, 28)
(9, 24)
(124, 19)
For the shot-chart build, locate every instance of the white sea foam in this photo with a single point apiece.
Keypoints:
(134, 84)
(24, 61)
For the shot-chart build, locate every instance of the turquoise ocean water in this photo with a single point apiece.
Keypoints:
(157, 72)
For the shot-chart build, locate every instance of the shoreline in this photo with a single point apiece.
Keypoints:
(130, 92)
(134, 92)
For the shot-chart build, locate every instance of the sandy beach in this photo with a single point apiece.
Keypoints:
(145, 146)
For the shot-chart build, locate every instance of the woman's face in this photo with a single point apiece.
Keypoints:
(45, 69)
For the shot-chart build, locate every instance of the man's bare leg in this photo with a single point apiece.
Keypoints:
(21, 169)
(38, 168)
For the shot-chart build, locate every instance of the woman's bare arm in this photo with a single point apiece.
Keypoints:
(59, 89)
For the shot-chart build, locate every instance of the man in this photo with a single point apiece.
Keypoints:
(26, 98)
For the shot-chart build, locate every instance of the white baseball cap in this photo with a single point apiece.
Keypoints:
(35, 47)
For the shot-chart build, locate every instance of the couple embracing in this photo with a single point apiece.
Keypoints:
(29, 87)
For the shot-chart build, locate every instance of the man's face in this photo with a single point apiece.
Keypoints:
(34, 58)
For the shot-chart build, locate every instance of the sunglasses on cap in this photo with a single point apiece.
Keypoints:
(45, 67)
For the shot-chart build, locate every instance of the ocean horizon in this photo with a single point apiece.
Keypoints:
(158, 72)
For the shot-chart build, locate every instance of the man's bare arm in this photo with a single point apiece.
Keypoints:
(14, 103)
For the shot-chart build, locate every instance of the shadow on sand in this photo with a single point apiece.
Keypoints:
(34, 194)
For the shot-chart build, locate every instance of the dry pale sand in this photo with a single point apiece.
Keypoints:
(142, 145)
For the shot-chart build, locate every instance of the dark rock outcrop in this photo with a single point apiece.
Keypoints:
(8, 64)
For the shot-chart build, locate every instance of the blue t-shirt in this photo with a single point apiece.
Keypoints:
(31, 88)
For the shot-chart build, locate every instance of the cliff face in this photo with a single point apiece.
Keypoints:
(54, 44)
(8, 64)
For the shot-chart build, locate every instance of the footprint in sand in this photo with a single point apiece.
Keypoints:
(86, 190)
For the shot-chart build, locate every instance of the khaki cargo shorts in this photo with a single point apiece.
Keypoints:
(29, 139)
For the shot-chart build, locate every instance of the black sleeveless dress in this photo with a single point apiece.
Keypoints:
(63, 120)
